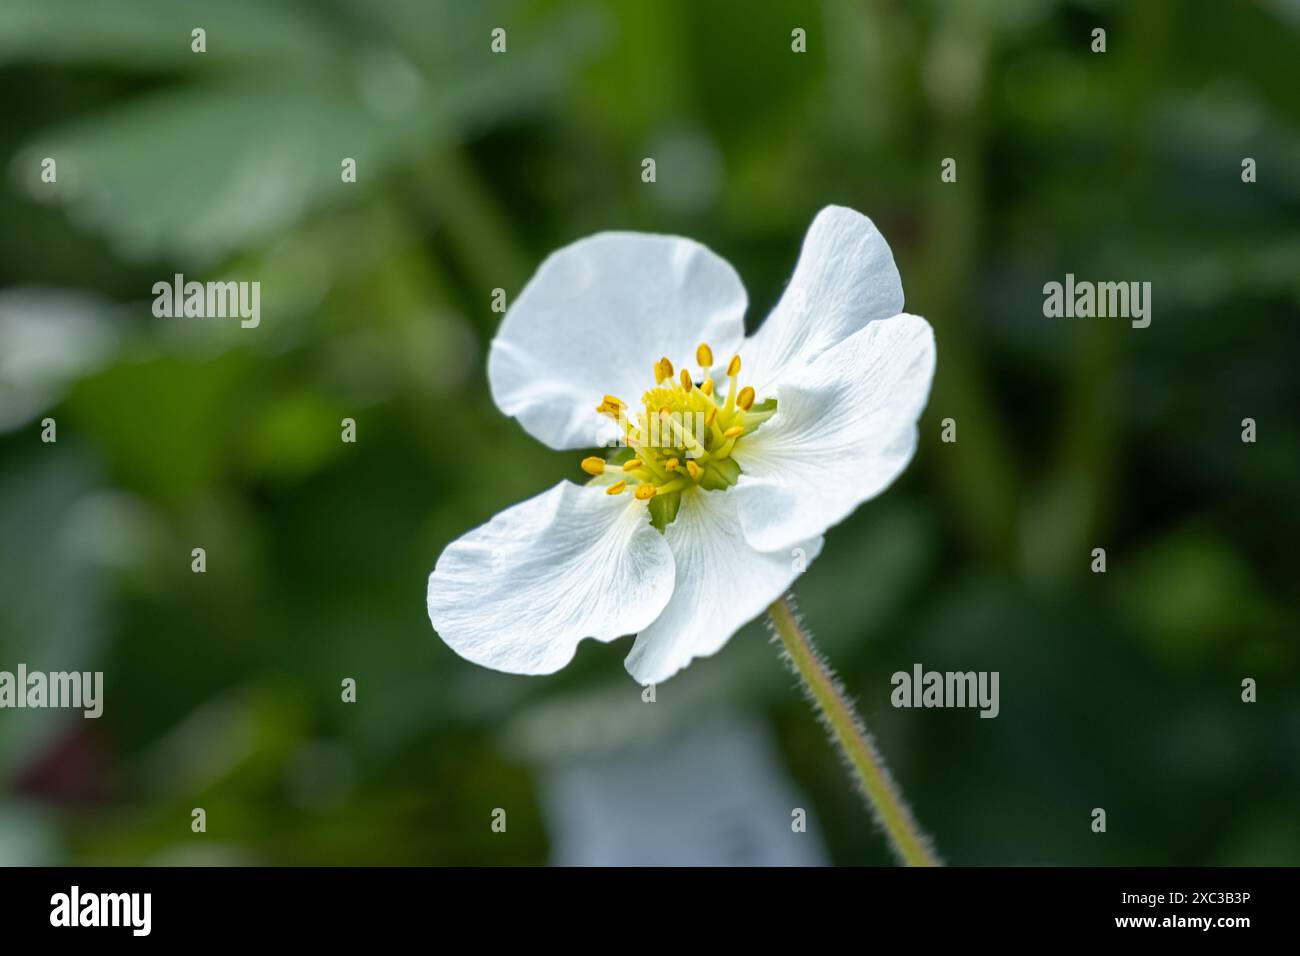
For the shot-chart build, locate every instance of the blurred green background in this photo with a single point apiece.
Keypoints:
(1119, 690)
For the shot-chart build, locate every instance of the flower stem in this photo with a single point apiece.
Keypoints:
(841, 720)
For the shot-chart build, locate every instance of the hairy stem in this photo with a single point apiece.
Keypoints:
(841, 720)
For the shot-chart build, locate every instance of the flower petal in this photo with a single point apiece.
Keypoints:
(844, 429)
(517, 594)
(844, 279)
(722, 583)
(593, 321)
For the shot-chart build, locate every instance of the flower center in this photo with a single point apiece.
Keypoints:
(683, 436)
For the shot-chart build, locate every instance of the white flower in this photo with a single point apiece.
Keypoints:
(803, 421)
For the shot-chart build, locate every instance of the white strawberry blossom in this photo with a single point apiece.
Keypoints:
(683, 539)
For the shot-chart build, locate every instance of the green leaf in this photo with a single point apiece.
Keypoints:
(663, 509)
(201, 172)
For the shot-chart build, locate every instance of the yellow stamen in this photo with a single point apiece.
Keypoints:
(732, 385)
(677, 436)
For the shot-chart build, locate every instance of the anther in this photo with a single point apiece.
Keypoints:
(593, 465)
(644, 492)
(663, 370)
(687, 384)
(704, 355)
(671, 464)
(733, 367)
(746, 398)
(735, 431)
(633, 464)
(694, 470)
(711, 416)
(617, 488)
(707, 386)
